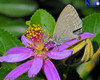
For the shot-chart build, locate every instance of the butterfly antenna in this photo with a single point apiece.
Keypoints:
(48, 30)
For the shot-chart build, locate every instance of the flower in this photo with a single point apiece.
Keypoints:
(39, 49)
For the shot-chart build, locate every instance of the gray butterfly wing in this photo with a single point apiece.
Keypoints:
(67, 22)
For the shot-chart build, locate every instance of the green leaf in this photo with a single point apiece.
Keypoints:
(89, 10)
(9, 65)
(91, 24)
(7, 41)
(17, 8)
(3, 72)
(80, 5)
(42, 17)
(16, 27)
(76, 3)
(6, 68)
(25, 77)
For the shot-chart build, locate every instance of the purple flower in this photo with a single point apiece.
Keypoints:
(39, 50)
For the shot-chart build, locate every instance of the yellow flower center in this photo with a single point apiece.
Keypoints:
(37, 36)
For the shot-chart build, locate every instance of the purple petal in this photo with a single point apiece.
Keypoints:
(19, 70)
(26, 42)
(62, 47)
(36, 67)
(86, 35)
(18, 50)
(68, 43)
(16, 54)
(56, 54)
(83, 35)
(50, 71)
(49, 45)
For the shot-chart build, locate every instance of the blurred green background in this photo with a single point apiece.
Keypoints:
(14, 14)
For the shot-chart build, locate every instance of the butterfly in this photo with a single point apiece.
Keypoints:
(68, 26)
